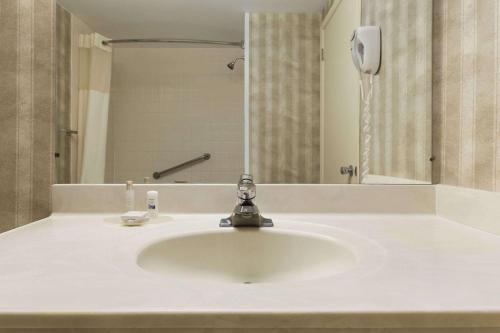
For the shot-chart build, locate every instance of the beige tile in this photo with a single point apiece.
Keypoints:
(188, 105)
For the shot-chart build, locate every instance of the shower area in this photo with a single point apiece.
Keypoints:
(132, 109)
(169, 105)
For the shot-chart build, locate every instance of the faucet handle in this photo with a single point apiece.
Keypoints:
(246, 187)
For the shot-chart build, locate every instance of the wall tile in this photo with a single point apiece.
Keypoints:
(176, 104)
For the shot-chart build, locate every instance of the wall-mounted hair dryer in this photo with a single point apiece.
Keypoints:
(366, 54)
(366, 49)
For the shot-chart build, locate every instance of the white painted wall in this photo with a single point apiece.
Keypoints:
(340, 95)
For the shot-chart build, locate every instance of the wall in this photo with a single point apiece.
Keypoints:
(402, 96)
(466, 91)
(63, 95)
(340, 89)
(27, 30)
(78, 27)
(169, 105)
(285, 97)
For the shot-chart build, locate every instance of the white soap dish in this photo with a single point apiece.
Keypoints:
(134, 218)
(118, 222)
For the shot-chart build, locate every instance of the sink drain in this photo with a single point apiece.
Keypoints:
(247, 282)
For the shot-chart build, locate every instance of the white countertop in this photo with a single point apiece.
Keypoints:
(74, 271)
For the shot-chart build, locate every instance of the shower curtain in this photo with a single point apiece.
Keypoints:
(93, 103)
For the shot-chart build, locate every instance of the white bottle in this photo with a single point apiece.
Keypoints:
(130, 196)
(152, 202)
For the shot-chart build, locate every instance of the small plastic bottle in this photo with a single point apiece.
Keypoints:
(152, 202)
(130, 196)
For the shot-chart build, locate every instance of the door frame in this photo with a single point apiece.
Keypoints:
(324, 23)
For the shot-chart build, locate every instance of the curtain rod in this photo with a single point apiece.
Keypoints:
(181, 41)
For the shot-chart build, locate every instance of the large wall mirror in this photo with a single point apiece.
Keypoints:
(200, 91)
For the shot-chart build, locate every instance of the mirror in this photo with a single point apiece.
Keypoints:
(197, 91)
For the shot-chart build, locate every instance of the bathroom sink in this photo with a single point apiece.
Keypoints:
(249, 255)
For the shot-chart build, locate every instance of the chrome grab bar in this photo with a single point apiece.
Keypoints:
(202, 158)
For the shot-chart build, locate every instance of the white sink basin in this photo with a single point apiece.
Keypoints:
(251, 255)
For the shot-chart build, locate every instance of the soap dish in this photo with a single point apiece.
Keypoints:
(134, 218)
(157, 221)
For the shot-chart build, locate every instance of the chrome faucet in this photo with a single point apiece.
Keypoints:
(246, 213)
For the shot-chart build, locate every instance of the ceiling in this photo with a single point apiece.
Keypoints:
(198, 19)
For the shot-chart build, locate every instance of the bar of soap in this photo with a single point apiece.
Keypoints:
(134, 218)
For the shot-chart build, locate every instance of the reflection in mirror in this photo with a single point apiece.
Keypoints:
(400, 126)
(198, 91)
(285, 97)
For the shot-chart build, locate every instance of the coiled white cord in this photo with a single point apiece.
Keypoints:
(366, 125)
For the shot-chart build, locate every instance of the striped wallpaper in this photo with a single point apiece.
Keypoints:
(466, 93)
(27, 95)
(63, 94)
(402, 97)
(284, 97)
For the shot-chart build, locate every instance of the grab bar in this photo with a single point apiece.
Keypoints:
(202, 158)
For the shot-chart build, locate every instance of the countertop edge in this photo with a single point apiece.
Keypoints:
(175, 319)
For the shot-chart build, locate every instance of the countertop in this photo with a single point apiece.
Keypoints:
(71, 270)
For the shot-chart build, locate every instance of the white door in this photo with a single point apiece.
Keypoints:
(340, 94)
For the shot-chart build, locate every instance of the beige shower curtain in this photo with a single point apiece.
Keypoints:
(284, 97)
(93, 102)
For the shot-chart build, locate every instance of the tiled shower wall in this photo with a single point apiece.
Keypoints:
(466, 92)
(169, 105)
(27, 99)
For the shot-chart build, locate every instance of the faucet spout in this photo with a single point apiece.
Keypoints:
(246, 213)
